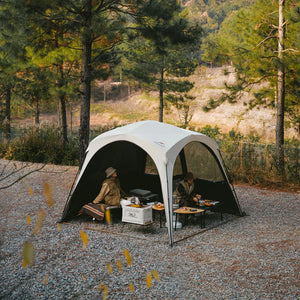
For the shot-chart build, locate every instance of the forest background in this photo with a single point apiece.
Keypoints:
(95, 65)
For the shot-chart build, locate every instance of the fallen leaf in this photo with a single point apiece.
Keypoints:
(155, 275)
(48, 194)
(28, 219)
(131, 288)
(149, 280)
(119, 266)
(30, 191)
(104, 290)
(128, 257)
(84, 238)
(45, 279)
(58, 226)
(107, 216)
(39, 222)
(109, 268)
(28, 254)
(83, 277)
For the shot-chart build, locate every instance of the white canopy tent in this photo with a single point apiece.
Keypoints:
(161, 141)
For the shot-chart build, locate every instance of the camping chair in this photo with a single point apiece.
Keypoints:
(111, 215)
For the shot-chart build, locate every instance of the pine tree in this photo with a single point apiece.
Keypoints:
(163, 48)
(255, 42)
(12, 54)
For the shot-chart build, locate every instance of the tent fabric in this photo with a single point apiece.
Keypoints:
(125, 148)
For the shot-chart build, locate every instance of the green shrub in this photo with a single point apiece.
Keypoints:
(210, 131)
(246, 159)
(42, 144)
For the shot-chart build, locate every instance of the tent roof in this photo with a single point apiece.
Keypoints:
(159, 140)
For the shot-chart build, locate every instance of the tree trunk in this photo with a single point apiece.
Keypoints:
(37, 112)
(7, 113)
(63, 121)
(280, 96)
(85, 83)
(63, 111)
(161, 96)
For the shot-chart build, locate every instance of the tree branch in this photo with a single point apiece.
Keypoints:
(19, 178)
(267, 38)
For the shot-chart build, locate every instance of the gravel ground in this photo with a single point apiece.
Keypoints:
(252, 257)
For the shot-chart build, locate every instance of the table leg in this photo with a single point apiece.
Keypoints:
(160, 213)
(175, 221)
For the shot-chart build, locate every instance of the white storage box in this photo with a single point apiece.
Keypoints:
(137, 215)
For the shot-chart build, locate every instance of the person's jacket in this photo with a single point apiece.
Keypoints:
(110, 192)
(185, 193)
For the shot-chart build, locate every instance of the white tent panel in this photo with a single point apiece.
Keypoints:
(163, 143)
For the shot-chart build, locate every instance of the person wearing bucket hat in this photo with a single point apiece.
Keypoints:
(111, 191)
(110, 171)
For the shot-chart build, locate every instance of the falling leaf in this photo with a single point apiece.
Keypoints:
(45, 279)
(39, 222)
(28, 219)
(131, 288)
(128, 257)
(30, 191)
(84, 238)
(119, 266)
(104, 290)
(58, 226)
(155, 275)
(28, 254)
(107, 216)
(149, 280)
(48, 194)
(109, 268)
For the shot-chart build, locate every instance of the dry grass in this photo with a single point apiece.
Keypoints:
(209, 83)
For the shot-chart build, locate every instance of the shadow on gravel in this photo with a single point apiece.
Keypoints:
(152, 232)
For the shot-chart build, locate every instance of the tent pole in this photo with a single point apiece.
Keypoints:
(183, 161)
(69, 196)
(231, 185)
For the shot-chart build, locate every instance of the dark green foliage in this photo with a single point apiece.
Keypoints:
(42, 144)
(247, 159)
(213, 132)
(248, 39)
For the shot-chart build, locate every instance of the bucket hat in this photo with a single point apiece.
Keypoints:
(109, 171)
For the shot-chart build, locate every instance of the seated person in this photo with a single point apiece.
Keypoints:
(187, 191)
(111, 191)
(110, 195)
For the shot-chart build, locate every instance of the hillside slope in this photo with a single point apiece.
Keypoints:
(209, 83)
